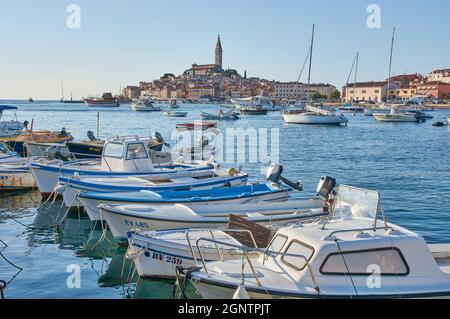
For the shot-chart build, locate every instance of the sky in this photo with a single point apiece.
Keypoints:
(123, 42)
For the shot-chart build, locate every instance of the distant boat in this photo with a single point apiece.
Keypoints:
(264, 102)
(253, 110)
(221, 116)
(30, 100)
(351, 109)
(175, 114)
(396, 116)
(196, 126)
(174, 105)
(144, 105)
(72, 101)
(107, 100)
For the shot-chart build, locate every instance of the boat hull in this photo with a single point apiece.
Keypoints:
(16, 179)
(143, 108)
(46, 175)
(120, 224)
(91, 205)
(380, 117)
(314, 119)
(85, 150)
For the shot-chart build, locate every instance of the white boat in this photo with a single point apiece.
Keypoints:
(157, 253)
(353, 254)
(175, 114)
(10, 128)
(72, 186)
(395, 116)
(314, 115)
(144, 105)
(265, 102)
(124, 218)
(193, 198)
(15, 177)
(10, 158)
(122, 156)
(221, 116)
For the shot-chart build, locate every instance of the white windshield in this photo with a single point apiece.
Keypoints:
(355, 202)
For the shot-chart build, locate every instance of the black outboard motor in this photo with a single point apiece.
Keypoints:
(158, 136)
(91, 136)
(274, 175)
(419, 117)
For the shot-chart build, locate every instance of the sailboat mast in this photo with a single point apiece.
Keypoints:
(356, 75)
(390, 65)
(62, 91)
(310, 58)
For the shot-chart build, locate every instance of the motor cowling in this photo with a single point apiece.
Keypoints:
(326, 186)
(274, 175)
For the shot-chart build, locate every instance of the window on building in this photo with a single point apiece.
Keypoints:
(377, 91)
(390, 261)
(363, 91)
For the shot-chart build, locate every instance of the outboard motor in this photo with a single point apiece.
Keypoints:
(419, 117)
(158, 136)
(91, 136)
(274, 175)
(326, 186)
(53, 152)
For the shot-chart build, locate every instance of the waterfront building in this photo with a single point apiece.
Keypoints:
(375, 91)
(299, 91)
(436, 89)
(442, 75)
(131, 92)
(198, 92)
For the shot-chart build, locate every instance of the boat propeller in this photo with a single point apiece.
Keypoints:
(274, 175)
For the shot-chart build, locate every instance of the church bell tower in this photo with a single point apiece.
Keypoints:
(219, 52)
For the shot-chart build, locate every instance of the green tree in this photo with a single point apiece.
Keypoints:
(168, 75)
(336, 95)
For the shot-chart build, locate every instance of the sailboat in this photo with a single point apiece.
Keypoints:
(395, 115)
(313, 114)
(71, 101)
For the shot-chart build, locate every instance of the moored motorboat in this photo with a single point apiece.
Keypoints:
(175, 113)
(122, 219)
(16, 177)
(221, 116)
(204, 179)
(193, 198)
(122, 156)
(396, 116)
(314, 115)
(144, 105)
(200, 125)
(353, 254)
(107, 100)
(158, 253)
(253, 110)
(9, 128)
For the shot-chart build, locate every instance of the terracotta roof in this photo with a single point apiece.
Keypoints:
(433, 83)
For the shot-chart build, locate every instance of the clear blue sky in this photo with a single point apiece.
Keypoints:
(122, 42)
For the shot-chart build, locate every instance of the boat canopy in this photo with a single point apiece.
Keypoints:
(6, 107)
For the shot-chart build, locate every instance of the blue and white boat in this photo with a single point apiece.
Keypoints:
(192, 198)
(9, 128)
(122, 157)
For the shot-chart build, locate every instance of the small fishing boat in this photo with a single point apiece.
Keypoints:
(144, 105)
(85, 149)
(10, 158)
(122, 156)
(10, 128)
(157, 253)
(265, 102)
(16, 177)
(201, 125)
(72, 186)
(221, 116)
(341, 257)
(107, 100)
(351, 109)
(18, 143)
(253, 110)
(175, 113)
(34, 149)
(192, 198)
(396, 116)
(30, 99)
(124, 218)
(314, 115)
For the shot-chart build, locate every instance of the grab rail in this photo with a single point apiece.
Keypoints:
(246, 250)
(218, 249)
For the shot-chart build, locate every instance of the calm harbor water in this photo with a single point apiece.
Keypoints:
(409, 164)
